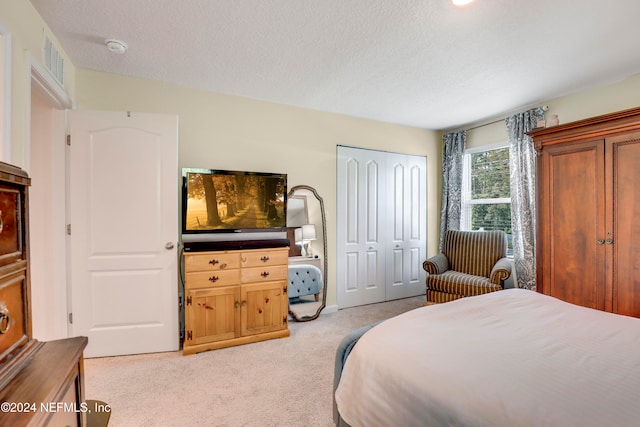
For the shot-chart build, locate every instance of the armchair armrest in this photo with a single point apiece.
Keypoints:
(436, 264)
(501, 271)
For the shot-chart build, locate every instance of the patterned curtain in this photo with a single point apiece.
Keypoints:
(522, 163)
(451, 181)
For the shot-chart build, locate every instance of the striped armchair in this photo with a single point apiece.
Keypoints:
(471, 263)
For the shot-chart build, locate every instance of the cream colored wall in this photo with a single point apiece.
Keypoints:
(583, 105)
(28, 32)
(225, 131)
(230, 132)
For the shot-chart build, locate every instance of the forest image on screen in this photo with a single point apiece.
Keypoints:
(234, 201)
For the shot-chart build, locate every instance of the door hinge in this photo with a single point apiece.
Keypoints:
(189, 300)
(189, 336)
(69, 229)
(69, 140)
(71, 318)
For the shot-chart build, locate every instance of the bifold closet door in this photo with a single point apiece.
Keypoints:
(381, 226)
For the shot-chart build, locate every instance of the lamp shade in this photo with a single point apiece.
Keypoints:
(297, 236)
(308, 232)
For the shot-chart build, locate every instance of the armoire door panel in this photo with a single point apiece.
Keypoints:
(576, 258)
(625, 238)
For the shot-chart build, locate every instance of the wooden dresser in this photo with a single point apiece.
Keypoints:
(588, 215)
(235, 297)
(40, 383)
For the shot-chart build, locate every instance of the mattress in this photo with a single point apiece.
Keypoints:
(507, 358)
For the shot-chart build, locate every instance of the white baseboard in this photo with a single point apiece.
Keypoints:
(330, 309)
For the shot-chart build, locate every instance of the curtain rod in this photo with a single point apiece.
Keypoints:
(491, 121)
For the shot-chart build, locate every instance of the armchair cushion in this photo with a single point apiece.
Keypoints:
(454, 282)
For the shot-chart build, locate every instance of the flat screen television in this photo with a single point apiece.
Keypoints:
(220, 205)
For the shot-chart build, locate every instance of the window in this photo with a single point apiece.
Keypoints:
(486, 192)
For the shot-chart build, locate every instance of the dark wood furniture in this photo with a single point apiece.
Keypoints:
(588, 214)
(41, 383)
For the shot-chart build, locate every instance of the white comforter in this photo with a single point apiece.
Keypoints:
(508, 358)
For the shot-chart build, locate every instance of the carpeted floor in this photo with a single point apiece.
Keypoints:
(281, 382)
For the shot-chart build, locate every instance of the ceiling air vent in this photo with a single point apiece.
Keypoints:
(53, 61)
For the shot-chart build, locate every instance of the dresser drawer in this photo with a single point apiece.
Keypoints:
(265, 258)
(208, 279)
(212, 261)
(264, 274)
(12, 319)
(10, 223)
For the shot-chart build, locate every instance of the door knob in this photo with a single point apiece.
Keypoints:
(600, 241)
(168, 246)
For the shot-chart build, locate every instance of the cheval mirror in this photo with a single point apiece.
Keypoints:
(307, 272)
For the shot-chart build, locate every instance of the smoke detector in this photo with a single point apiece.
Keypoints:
(116, 46)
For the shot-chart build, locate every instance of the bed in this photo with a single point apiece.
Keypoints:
(507, 358)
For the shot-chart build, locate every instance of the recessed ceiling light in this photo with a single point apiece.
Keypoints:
(116, 46)
(461, 2)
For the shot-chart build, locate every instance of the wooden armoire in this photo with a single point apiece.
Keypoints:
(41, 383)
(588, 212)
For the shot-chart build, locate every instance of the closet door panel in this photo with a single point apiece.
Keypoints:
(381, 226)
(406, 241)
(360, 262)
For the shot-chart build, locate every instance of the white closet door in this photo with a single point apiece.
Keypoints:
(360, 251)
(406, 222)
(381, 226)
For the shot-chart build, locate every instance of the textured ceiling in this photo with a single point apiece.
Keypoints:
(420, 63)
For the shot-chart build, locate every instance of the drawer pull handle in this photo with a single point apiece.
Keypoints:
(244, 303)
(223, 266)
(265, 274)
(5, 320)
(214, 279)
(264, 258)
(237, 304)
(214, 262)
(600, 241)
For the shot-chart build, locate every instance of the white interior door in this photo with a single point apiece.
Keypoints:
(406, 220)
(381, 226)
(123, 212)
(360, 244)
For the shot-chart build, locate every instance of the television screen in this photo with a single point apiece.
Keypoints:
(232, 201)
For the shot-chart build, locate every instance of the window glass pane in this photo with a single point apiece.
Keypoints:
(490, 174)
(493, 217)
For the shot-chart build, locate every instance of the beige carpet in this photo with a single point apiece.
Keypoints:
(281, 382)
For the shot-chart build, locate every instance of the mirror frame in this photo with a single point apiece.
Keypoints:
(323, 304)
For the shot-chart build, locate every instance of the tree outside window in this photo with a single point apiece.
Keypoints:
(486, 196)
